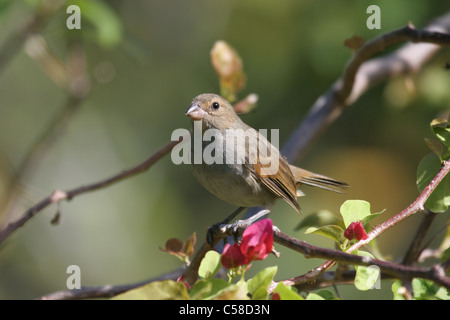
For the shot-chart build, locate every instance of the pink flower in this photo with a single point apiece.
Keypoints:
(232, 256)
(256, 244)
(355, 231)
(257, 240)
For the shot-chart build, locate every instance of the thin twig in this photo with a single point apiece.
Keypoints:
(58, 195)
(106, 291)
(416, 206)
(436, 273)
(416, 246)
(362, 73)
(329, 106)
(400, 271)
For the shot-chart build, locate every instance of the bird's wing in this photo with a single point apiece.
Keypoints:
(281, 183)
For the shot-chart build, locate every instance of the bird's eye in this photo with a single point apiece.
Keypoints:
(215, 105)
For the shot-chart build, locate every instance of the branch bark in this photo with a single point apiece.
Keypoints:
(405, 272)
(358, 77)
(58, 195)
(362, 73)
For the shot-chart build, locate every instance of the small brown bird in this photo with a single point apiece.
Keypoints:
(251, 182)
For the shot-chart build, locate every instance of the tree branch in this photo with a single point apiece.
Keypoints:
(361, 74)
(358, 77)
(58, 195)
(405, 272)
(399, 271)
(416, 206)
(106, 291)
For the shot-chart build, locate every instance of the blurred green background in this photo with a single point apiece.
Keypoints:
(146, 60)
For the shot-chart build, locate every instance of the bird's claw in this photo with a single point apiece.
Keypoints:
(226, 229)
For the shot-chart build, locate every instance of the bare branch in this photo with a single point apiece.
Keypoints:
(416, 206)
(362, 74)
(346, 90)
(399, 271)
(68, 195)
(106, 291)
(436, 273)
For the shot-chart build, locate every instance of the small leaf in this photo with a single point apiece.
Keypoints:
(236, 291)
(426, 289)
(321, 295)
(439, 200)
(108, 26)
(173, 246)
(259, 284)
(188, 247)
(207, 289)
(443, 134)
(333, 232)
(439, 122)
(366, 277)
(327, 295)
(319, 219)
(356, 210)
(314, 296)
(210, 265)
(286, 293)
(441, 129)
(436, 147)
(157, 290)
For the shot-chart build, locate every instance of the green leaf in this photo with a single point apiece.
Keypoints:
(333, 232)
(107, 24)
(319, 219)
(439, 200)
(441, 130)
(397, 289)
(445, 255)
(208, 289)
(321, 295)
(366, 277)
(259, 284)
(428, 290)
(327, 295)
(158, 290)
(435, 146)
(236, 291)
(356, 210)
(314, 296)
(210, 265)
(287, 293)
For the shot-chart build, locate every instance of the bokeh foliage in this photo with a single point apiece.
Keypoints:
(146, 60)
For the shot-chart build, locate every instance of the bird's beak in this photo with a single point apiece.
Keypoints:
(195, 112)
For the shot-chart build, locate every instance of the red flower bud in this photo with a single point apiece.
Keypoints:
(181, 279)
(232, 256)
(355, 231)
(276, 296)
(257, 240)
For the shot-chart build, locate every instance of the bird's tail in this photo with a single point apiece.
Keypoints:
(306, 177)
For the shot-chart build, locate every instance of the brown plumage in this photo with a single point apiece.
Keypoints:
(251, 183)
